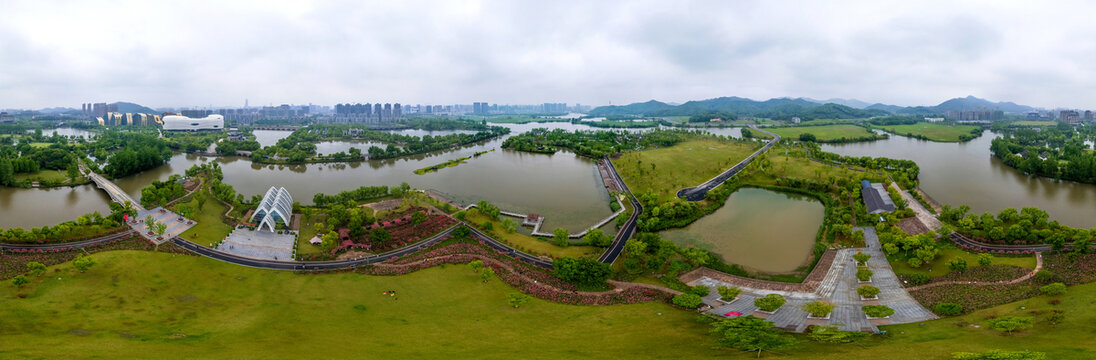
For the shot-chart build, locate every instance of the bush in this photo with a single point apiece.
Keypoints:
(1009, 324)
(687, 300)
(861, 258)
(915, 262)
(20, 280)
(582, 271)
(1044, 276)
(948, 309)
(770, 302)
(985, 259)
(1054, 289)
(864, 274)
(957, 265)
(818, 308)
(919, 279)
(867, 291)
(728, 293)
(700, 290)
(831, 334)
(877, 311)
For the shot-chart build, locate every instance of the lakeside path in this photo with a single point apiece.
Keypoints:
(697, 193)
(838, 287)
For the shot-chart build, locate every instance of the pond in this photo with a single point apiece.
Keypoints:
(967, 173)
(759, 229)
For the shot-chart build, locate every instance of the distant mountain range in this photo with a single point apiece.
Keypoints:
(123, 107)
(805, 108)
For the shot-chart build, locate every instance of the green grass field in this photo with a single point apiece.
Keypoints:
(521, 119)
(939, 266)
(307, 231)
(935, 132)
(823, 133)
(531, 244)
(47, 175)
(138, 305)
(209, 228)
(1035, 123)
(666, 170)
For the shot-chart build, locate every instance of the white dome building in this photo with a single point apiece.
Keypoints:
(276, 206)
(183, 123)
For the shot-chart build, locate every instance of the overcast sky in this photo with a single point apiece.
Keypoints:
(194, 53)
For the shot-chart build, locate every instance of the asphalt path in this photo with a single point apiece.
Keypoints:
(697, 193)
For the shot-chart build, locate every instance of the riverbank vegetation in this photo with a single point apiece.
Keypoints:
(1058, 152)
(507, 232)
(594, 144)
(665, 170)
(87, 226)
(450, 163)
(827, 133)
(300, 146)
(935, 131)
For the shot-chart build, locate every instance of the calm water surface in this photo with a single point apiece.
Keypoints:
(759, 229)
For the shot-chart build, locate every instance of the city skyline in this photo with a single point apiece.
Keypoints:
(62, 54)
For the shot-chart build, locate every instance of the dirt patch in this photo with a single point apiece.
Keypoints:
(912, 226)
(384, 205)
(353, 255)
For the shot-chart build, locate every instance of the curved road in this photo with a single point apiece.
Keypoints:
(697, 193)
(613, 252)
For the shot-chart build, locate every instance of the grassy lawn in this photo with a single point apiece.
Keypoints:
(799, 168)
(666, 170)
(210, 228)
(46, 175)
(822, 133)
(935, 132)
(939, 266)
(308, 231)
(136, 304)
(1035, 123)
(532, 244)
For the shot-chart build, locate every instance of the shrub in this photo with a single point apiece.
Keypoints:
(1000, 354)
(915, 262)
(985, 259)
(1054, 289)
(1044, 276)
(863, 274)
(877, 311)
(957, 265)
(867, 291)
(861, 257)
(687, 300)
(818, 308)
(83, 263)
(20, 280)
(582, 271)
(728, 293)
(518, 299)
(948, 309)
(1009, 324)
(700, 290)
(831, 334)
(919, 279)
(770, 302)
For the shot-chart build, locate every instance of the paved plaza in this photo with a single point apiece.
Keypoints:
(259, 244)
(838, 288)
(175, 224)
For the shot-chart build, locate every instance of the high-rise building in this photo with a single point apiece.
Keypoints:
(1088, 115)
(1069, 116)
(396, 111)
(387, 111)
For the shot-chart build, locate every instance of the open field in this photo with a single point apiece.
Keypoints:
(137, 304)
(521, 119)
(664, 171)
(531, 244)
(934, 132)
(307, 231)
(800, 168)
(1035, 123)
(939, 266)
(209, 228)
(823, 133)
(47, 175)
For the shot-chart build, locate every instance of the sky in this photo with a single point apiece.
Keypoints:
(221, 53)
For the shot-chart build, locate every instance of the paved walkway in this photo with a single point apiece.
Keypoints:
(259, 244)
(176, 224)
(927, 218)
(837, 287)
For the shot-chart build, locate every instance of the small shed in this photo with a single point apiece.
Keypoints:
(315, 240)
(531, 220)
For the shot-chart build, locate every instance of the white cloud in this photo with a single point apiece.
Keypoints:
(211, 52)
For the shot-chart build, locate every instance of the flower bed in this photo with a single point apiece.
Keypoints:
(1081, 270)
(15, 263)
(991, 273)
(974, 297)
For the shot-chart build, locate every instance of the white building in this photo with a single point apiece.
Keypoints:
(276, 206)
(183, 123)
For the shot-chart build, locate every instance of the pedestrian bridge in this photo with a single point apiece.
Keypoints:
(116, 194)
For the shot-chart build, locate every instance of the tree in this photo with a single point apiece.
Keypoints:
(700, 290)
(596, 237)
(1008, 324)
(688, 300)
(36, 268)
(487, 274)
(561, 235)
(748, 333)
(728, 293)
(510, 225)
(476, 265)
(948, 309)
(380, 235)
(634, 247)
(7, 173)
(1054, 289)
(834, 335)
(877, 311)
(1044, 276)
(418, 217)
(807, 137)
(867, 291)
(83, 262)
(957, 265)
(864, 274)
(770, 302)
(985, 259)
(1000, 355)
(518, 299)
(861, 258)
(582, 271)
(818, 308)
(329, 241)
(20, 280)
